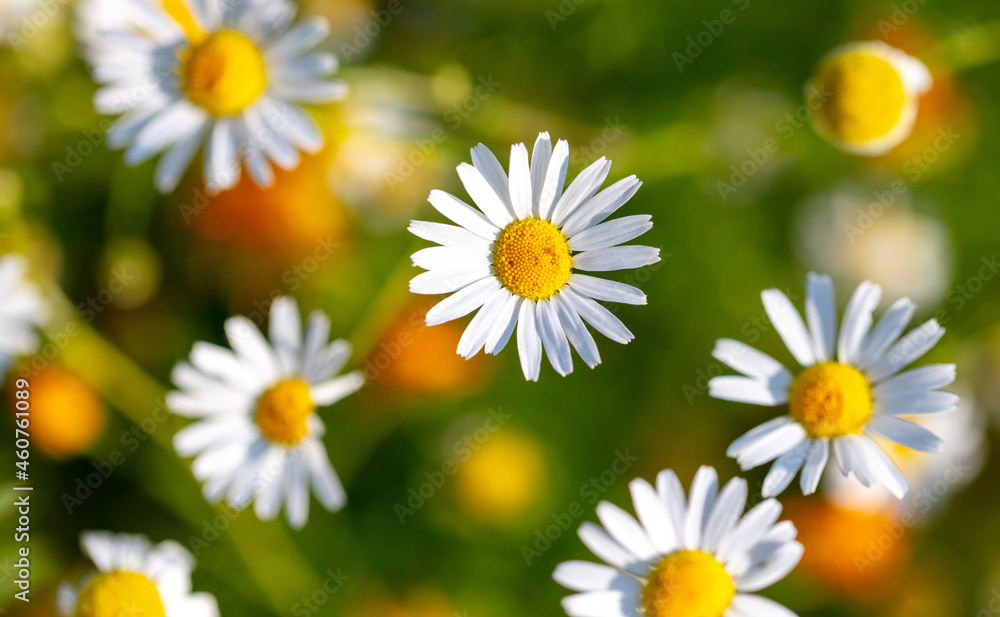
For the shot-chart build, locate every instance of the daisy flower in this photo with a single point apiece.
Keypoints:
(697, 556)
(258, 436)
(226, 73)
(839, 399)
(516, 257)
(869, 93)
(134, 577)
(22, 310)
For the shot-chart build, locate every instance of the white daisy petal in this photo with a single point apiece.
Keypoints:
(521, 194)
(905, 433)
(608, 291)
(726, 513)
(887, 331)
(447, 235)
(476, 333)
(447, 281)
(576, 332)
(594, 210)
(463, 214)
(764, 575)
(858, 459)
(555, 180)
(751, 362)
(529, 343)
(587, 576)
(605, 548)
(749, 531)
(919, 379)
(784, 469)
(812, 470)
(906, 351)
(748, 605)
(766, 445)
(329, 491)
(789, 325)
(484, 195)
(616, 258)
(334, 390)
(553, 337)
(700, 503)
(504, 323)
(655, 518)
(626, 531)
(611, 233)
(747, 390)
(580, 190)
(821, 315)
(886, 472)
(541, 155)
(598, 604)
(487, 164)
(915, 402)
(597, 316)
(462, 302)
(857, 322)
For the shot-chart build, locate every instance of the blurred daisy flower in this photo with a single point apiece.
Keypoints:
(226, 73)
(22, 310)
(870, 93)
(152, 581)
(697, 556)
(515, 256)
(841, 400)
(258, 436)
(863, 231)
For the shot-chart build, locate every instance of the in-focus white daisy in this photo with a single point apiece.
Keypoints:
(516, 257)
(229, 73)
(870, 93)
(683, 557)
(258, 435)
(22, 310)
(849, 389)
(134, 577)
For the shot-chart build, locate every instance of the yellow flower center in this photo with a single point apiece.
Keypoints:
(282, 411)
(531, 258)
(831, 400)
(120, 594)
(867, 100)
(224, 73)
(688, 584)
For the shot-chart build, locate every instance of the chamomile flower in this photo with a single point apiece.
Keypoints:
(683, 557)
(226, 73)
(22, 310)
(870, 96)
(517, 257)
(136, 577)
(850, 388)
(257, 437)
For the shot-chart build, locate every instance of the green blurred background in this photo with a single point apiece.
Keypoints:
(428, 82)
